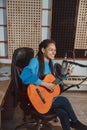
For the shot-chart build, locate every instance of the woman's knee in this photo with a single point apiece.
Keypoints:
(64, 99)
(60, 100)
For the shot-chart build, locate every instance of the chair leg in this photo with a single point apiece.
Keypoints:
(26, 125)
(43, 126)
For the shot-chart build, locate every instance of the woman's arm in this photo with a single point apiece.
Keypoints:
(29, 74)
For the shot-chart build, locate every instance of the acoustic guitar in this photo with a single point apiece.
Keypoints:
(40, 97)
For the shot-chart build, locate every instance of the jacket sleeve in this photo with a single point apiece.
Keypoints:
(29, 74)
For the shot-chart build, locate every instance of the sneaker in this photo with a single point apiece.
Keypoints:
(78, 125)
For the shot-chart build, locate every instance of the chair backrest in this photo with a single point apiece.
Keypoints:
(21, 57)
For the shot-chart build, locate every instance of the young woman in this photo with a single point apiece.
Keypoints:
(42, 65)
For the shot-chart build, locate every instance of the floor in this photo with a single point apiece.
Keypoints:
(77, 99)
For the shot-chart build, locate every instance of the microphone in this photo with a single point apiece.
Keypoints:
(64, 65)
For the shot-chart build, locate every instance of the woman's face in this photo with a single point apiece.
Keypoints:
(49, 52)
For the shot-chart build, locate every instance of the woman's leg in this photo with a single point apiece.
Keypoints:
(66, 114)
(64, 119)
(63, 103)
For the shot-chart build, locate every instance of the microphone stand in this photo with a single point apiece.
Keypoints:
(75, 63)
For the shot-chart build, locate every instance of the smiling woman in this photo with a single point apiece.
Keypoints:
(49, 52)
(33, 75)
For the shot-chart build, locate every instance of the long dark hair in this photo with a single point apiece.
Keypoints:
(44, 44)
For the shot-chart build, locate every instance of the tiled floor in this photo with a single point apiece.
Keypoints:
(77, 99)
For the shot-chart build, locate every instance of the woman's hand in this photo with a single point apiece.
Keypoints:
(49, 86)
(70, 70)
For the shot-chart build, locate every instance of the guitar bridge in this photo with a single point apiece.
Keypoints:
(40, 95)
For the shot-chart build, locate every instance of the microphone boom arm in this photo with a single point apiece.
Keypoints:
(81, 65)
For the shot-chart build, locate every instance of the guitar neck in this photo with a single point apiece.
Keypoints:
(56, 81)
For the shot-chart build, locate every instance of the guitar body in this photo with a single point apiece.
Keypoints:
(40, 97)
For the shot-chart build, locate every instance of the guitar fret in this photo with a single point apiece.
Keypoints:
(56, 81)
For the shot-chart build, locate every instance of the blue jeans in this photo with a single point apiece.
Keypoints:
(64, 111)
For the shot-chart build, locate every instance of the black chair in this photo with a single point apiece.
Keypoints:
(20, 59)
